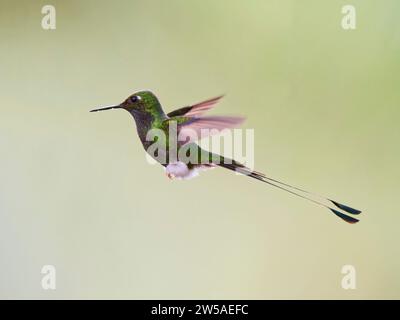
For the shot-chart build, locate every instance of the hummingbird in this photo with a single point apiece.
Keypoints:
(149, 115)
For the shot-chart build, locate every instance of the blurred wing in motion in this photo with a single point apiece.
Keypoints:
(196, 109)
(203, 127)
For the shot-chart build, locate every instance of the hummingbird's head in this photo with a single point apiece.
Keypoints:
(139, 102)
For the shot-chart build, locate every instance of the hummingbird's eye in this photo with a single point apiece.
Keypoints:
(135, 99)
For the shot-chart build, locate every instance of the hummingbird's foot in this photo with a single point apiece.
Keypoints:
(170, 175)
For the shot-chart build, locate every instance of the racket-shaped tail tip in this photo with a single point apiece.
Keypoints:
(345, 208)
(344, 217)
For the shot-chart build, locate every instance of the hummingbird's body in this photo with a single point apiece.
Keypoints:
(183, 158)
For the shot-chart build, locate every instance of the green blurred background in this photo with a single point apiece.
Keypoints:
(76, 191)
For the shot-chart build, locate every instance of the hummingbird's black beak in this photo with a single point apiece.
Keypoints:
(106, 108)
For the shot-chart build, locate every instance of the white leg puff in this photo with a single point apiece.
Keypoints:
(180, 170)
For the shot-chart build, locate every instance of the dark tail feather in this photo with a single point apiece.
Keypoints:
(345, 208)
(344, 217)
(235, 166)
(335, 203)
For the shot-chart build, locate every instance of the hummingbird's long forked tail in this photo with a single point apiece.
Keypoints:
(235, 166)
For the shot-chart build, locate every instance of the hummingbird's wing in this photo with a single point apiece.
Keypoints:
(192, 123)
(196, 109)
(202, 127)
